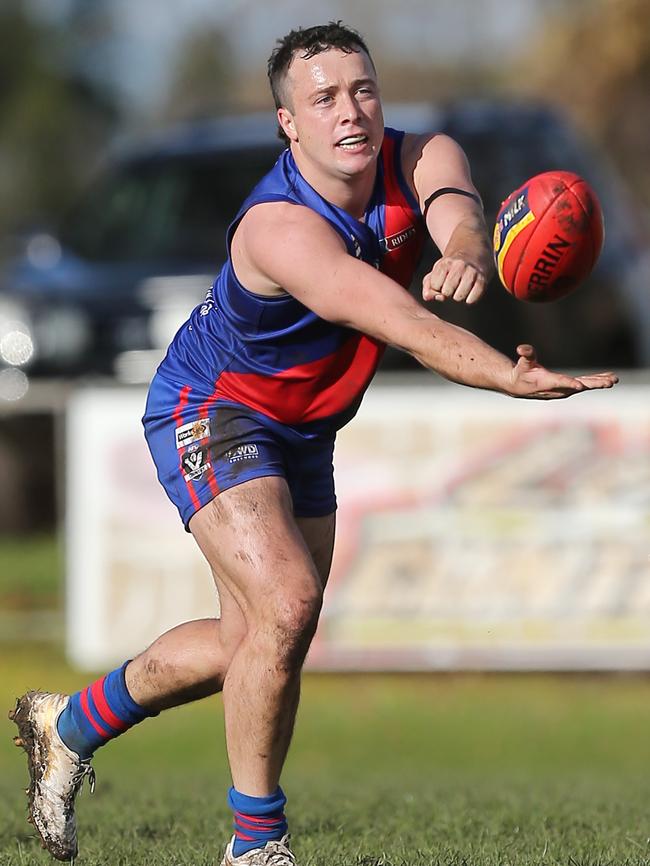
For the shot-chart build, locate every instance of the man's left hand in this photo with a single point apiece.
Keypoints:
(453, 278)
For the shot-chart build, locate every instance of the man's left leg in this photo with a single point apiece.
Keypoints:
(60, 733)
(187, 663)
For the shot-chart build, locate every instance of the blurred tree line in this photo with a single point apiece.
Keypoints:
(56, 116)
(593, 58)
(53, 121)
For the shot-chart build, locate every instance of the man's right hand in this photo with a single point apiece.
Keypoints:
(530, 380)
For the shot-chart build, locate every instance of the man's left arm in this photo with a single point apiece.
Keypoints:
(454, 217)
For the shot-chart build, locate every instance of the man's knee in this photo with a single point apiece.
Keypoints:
(289, 624)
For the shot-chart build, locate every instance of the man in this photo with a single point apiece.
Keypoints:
(242, 414)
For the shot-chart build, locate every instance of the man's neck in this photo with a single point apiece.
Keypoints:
(351, 194)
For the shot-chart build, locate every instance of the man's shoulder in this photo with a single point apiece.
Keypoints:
(283, 212)
(417, 142)
(265, 220)
(432, 150)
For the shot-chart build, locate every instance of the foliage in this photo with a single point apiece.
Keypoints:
(52, 121)
(202, 79)
(593, 58)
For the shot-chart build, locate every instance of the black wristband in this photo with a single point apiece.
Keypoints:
(445, 190)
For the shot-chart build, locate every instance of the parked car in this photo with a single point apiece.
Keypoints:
(104, 292)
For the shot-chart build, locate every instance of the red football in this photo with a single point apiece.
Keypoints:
(548, 236)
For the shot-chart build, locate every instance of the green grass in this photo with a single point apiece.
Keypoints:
(31, 572)
(383, 770)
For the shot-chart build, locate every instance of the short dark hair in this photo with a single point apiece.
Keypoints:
(311, 41)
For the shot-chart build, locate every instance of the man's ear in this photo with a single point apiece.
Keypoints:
(285, 119)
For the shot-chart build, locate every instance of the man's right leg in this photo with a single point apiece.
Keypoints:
(249, 536)
(191, 661)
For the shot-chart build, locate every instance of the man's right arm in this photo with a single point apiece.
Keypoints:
(289, 246)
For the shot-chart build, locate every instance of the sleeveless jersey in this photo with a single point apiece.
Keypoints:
(273, 354)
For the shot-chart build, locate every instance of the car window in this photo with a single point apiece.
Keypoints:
(169, 209)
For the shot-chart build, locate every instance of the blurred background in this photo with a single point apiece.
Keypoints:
(129, 136)
(475, 534)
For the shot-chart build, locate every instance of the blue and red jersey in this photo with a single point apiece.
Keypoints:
(273, 354)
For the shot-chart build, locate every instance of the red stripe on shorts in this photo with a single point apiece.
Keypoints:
(178, 419)
(204, 412)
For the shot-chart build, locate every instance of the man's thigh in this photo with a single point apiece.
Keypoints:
(318, 534)
(253, 543)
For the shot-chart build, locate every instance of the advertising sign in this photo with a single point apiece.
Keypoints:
(474, 531)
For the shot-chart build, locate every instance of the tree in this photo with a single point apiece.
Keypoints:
(53, 123)
(202, 81)
(594, 60)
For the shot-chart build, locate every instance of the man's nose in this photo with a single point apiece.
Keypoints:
(349, 107)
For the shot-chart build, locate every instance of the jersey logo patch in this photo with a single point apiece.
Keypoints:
(393, 242)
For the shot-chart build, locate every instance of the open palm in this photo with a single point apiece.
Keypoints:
(531, 380)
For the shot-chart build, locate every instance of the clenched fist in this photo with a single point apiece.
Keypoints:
(453, 278)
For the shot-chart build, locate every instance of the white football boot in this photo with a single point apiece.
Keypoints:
(56, 773)
(272, 854)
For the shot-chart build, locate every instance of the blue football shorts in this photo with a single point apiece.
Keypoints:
(202, 448)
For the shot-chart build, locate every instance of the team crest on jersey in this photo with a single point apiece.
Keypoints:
(195, 463)
(192, 432)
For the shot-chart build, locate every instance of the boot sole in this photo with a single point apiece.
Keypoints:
(21, 717)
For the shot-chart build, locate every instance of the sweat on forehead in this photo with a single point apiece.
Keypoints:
(306, 44)
(314, 71)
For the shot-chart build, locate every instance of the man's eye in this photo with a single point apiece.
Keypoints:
(323, 99)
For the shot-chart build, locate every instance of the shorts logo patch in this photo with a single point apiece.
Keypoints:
(195, 464)
(195, 431)
(242, 452)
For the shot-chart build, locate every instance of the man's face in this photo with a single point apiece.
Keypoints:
(333, 114)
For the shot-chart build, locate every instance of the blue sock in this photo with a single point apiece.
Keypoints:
(99, 713)
(257, 820)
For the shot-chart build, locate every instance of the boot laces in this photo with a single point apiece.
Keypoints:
(85, 770)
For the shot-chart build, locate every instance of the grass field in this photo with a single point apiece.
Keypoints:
(383, 770)
(31, 572)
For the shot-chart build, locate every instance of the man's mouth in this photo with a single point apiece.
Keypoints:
(352, 142)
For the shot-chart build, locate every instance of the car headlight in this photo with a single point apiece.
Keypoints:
(14, 384)
(16, 338)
